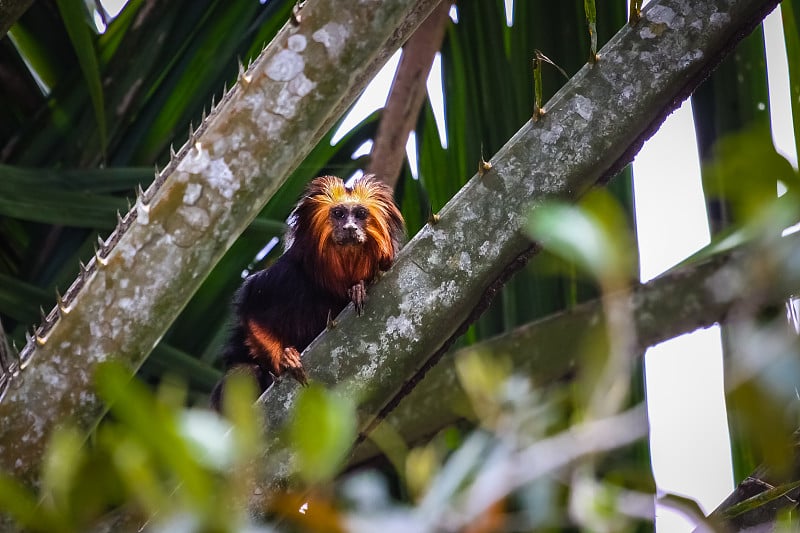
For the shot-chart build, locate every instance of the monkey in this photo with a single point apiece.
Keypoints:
(338, 241)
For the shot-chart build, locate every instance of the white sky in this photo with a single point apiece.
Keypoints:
(689, 438)
(689, 441)
(778, 76)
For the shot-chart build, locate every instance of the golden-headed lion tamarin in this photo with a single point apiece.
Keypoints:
(339, 239)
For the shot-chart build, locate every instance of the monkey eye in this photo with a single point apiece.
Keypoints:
(337, 212)
(360, 213)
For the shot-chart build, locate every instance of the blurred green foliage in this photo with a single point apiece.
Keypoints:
(594, 235)
(322, 431)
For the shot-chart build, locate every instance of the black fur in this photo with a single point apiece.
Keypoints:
(288, 299)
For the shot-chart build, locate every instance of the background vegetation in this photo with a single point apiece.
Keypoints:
(87, 115)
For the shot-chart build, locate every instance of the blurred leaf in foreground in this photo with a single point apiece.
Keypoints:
(594, 235)
(322, 431)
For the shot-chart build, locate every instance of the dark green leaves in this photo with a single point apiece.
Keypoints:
(75, 19)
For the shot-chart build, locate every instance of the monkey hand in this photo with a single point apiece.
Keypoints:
(290, 363)
(358, 295)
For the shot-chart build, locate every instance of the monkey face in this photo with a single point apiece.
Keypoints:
(349, 222)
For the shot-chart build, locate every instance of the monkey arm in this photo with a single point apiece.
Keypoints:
(264, 345)
(279, 312)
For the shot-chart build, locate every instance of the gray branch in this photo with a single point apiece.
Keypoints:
(148, 268)
(716, 290)
(592, 127)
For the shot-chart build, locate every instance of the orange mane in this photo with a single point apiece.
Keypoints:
(310, 235)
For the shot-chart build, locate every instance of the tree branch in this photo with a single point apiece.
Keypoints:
(592, 127)
(548, 350)
(148, 268)
(758, 501)
(399, 115)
